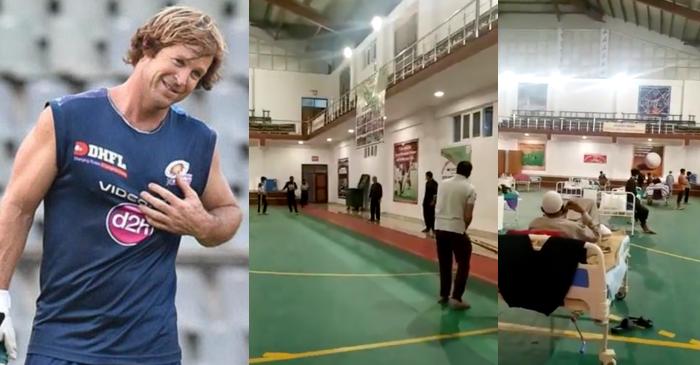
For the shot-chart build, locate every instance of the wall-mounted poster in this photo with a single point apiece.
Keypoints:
(343, 177)
(452, 156)
(595, 158)
(533, 156)
(654, 100)
(639, 160)
(406, 172)
(532, 96)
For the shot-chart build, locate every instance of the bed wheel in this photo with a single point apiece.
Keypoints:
(611, 362)
(621, 294)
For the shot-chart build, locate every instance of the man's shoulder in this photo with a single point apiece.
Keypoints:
(186, 120)
(83, 98)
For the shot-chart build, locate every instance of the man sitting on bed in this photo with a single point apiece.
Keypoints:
(555, 219)
(641, 213)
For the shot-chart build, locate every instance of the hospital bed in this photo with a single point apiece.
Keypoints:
(657, 192)
(594, 283)
(577, 188)
(614, 204)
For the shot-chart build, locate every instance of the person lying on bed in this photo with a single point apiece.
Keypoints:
(657, 185)
(554, 218)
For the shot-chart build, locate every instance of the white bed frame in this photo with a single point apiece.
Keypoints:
(594, 299)
(568, 190)
(608, 212)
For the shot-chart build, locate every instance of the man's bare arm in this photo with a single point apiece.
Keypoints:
(468, 212)
(32, 175)
(219, 201)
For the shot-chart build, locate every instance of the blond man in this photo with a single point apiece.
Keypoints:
(123, 176)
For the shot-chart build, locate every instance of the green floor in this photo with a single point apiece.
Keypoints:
(384, 318)
(663, 286)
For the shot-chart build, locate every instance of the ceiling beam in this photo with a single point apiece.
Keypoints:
(673, 8)
(636, 14)
(307, 13)
(624, 12)
(556, 9)
(589, 9)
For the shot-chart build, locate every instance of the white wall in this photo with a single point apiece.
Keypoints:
(433, 129)
(280, 92)
(564, 157)
(282, 161)
(598, 95)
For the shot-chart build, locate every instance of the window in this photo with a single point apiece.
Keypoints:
(488, 121)
(465, 125)
(476, 124)
(456, 128)
(369, 55)
(472, 124)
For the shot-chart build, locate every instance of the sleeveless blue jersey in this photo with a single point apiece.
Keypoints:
(107, 276)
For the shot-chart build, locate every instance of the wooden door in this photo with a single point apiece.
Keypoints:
(515, 162)
(501, 162)
(320, 187)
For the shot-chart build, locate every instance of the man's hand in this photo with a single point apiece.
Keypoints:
(180, 216)
(572, 205)
(8, 340)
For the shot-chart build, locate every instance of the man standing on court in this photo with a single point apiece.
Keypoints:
(123, 175)
(291, 187)
(429, 199)
(262, 195)
(375, 199)
(683, 189)
(455, 205)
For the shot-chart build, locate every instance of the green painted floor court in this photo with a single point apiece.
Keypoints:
(321, 294)
(663, 283)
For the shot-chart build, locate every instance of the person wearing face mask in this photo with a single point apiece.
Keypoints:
(123, 176)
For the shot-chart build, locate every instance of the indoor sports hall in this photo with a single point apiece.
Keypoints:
(588, 93)
(409, 88)
(48, 52)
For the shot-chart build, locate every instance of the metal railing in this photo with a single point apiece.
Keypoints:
(274, 126)
(594, 125)
(460, 28)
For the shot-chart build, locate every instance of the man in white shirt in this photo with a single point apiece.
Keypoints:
(453, 214)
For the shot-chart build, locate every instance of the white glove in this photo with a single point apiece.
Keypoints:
(7, 332)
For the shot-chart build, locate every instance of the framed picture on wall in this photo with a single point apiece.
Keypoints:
(655, 100)
(533, 156)
(532, 96)
(406, 172)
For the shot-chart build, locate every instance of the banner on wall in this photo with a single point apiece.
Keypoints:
(617, 127)
(654, 100)
(595, 158)
(406, 172)
(533, 156)
(639, 160)
(370, 112)
(452, 156)
(343, 177)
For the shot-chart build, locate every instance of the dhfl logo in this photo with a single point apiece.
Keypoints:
(127, 225)
(100, 156)
(81, 149)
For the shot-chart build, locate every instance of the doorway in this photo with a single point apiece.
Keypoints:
(316, 175)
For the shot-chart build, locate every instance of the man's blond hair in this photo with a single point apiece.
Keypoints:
(180, 25)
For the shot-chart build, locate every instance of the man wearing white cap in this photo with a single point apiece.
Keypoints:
(555, 218)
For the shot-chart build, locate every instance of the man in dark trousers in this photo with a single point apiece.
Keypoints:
(641, 213)
(262, 196)
(429, 199)
(454, 208)
(683, 189)
(375, 198)
(291, 187)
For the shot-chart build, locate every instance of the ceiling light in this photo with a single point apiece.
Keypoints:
(439, 94)
(376, 23)
(527, 134)
(584, 137)
(329, 139)
(351, 131)
(649, 139)
(300, 142)
(347, 52)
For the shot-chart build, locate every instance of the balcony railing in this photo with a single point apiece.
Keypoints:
(595, 125)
